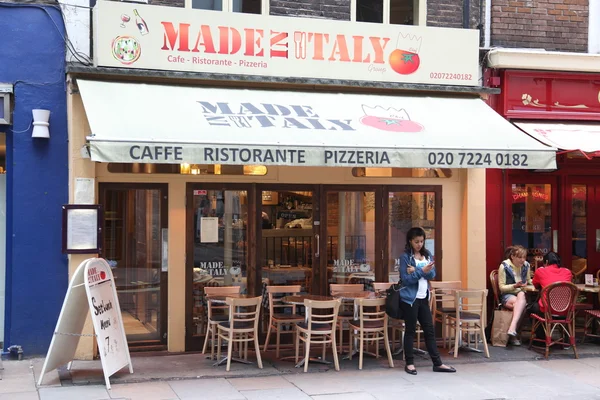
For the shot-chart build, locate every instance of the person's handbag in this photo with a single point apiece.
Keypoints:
(502, 320)
(392, 301)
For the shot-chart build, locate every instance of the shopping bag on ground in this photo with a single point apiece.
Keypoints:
(500, 327)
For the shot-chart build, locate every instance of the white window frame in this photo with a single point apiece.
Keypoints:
(228, 6)
(419, 12)
(6, 90)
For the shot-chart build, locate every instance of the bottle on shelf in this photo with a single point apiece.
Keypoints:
(140, 23)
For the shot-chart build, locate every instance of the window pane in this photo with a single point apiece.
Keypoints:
(208, 4)
(186, 169)
(532, 220)
(401, 12)
(287, 234)
(579, 228)
(247, 6)
(350, 237)
(369, 11)
(409, 209)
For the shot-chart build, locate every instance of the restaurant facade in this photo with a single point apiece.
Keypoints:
(253, 150)
(555, 98)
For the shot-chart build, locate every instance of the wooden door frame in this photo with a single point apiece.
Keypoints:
(164, 276)
(193, 342)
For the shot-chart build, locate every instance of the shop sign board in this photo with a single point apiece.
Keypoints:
(178, 39)
(93, 280)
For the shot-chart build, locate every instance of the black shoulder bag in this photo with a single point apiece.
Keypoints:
(392, 301)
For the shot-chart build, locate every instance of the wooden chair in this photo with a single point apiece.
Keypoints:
(278, 317)
(242, 327)
(578, 267)
(381, 286)
(372, 326)
(495, 289)
(442, 305)
(318, 329)
(469, 317)
(216, 314)
(346, 312)
(395, 325)
(559, 301)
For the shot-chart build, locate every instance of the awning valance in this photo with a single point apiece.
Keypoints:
(569, 137)
(133, 122)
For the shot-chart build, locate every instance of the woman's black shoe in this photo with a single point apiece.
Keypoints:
(442, 369)
(410, 371)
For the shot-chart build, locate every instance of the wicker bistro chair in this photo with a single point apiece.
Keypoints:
(592, 316)
(559, 301)
(346, 312)
(442, 305)
(216, 314)
(278, 318)
(469, 317)
(372, 326)
(319, 328)
(495, 289)
(242, 327)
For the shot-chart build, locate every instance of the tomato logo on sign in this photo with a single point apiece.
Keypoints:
(405, 58)
(389, 119)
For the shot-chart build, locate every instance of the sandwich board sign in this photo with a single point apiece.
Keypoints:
(93, 280)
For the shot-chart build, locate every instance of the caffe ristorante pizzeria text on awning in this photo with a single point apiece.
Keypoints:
(141, 123)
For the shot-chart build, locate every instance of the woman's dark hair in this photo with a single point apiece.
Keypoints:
(413, 233)
(551, 258)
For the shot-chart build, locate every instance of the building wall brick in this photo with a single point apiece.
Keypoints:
(559, 25)
(329, 9)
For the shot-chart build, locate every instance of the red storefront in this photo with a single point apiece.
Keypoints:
(549, 210)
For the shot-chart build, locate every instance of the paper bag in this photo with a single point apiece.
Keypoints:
(500, 326)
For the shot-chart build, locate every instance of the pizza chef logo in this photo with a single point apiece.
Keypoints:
(389, 119)
(405, 58)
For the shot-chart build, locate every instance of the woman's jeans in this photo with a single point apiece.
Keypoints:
(421, 312)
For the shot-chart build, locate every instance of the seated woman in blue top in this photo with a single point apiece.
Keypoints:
(416, 270)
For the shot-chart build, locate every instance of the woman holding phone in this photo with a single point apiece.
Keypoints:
(513, 274)
(416, 270)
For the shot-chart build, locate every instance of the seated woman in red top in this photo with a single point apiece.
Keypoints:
(550, 273)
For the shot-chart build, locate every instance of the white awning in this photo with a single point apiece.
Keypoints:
(133, 122)
(569, 137)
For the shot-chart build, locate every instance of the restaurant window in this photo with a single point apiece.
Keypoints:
(532, 220)
(361, 172)
(399, 12)
(187, 169)
(240, 6)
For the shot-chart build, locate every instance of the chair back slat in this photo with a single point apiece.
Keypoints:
(381, 286)
(222, 290)
(471, 301)
(338, 288)
(372, 310)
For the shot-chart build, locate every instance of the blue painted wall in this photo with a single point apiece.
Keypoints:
(32, 58)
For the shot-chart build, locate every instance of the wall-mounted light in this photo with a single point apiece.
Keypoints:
(41, 124)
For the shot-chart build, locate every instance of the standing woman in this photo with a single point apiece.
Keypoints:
(416, 269)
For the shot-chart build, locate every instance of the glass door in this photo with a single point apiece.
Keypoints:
(583, 224)
(350, 230)
(288, 244)
(135, 233)
(217, 249)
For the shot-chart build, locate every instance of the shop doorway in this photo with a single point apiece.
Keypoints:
(255, 235)
(582, 225)
(135, 236)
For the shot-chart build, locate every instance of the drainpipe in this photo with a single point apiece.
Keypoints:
(467, 13)
(488, 24)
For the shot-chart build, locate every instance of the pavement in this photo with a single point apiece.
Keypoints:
(510, 373)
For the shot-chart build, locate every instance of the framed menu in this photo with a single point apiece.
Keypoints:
(82, 228)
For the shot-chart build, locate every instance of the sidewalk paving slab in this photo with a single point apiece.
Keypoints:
(207, 389)
(74, 393)
(275, 394)
(143, 391)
